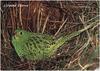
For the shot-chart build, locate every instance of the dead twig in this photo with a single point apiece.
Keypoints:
(60, 27)
(45, 24)
(20, 15)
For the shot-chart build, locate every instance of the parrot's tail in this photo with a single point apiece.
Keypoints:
(59, 42)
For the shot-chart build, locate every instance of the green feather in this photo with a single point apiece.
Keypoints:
(37, 46)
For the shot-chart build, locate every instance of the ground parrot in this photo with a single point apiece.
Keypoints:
(38, 46)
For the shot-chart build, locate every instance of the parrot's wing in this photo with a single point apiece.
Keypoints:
(43, 39)
(36, 46)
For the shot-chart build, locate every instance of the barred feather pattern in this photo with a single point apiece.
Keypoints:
(36, 46)
(32, 46)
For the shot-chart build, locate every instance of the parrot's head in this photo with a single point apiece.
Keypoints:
(20, 35)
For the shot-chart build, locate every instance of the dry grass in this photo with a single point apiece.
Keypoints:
(54, 18)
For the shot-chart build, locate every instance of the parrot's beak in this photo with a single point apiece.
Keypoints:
(14, 33)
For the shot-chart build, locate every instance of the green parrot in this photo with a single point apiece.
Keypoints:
(38, 46)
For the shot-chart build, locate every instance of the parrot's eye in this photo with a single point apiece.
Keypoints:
(21, 33)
